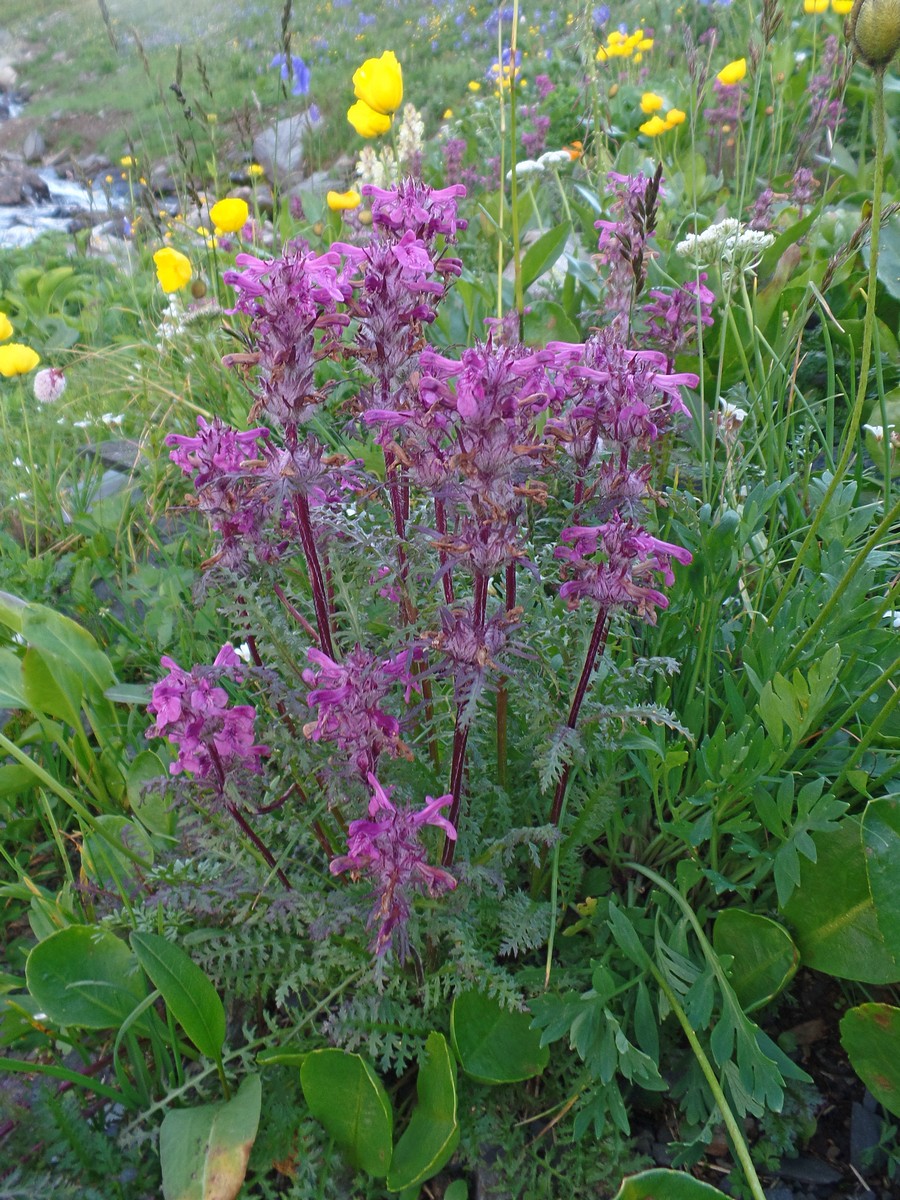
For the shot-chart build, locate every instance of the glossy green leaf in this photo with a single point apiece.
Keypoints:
(188, 993)
(345, 1094)
(763, 952)
(881, 842)
(433, 1132)
(12, 686)
(870, 1034)
(51, 686)
(494, 1045)
(546, 321)
(204, 1151)
(52, 633)
(661, 1184)
(832, 913)
(85, 976)
(543, 253)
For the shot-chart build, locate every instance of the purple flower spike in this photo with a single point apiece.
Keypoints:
(386, 848)
(193, 713)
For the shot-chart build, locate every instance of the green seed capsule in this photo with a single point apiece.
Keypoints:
(873, 30)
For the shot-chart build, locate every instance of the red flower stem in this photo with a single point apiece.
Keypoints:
(295, 613)
(595, 649)
(314, 568)
(502, 693)
(440, 520)
(260, 845)
(457, 767)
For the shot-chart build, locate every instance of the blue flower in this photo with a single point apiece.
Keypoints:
(298, 69)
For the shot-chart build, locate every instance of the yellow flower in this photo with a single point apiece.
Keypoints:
(474, 85)
(255, 170)
(212, 118)
(340, 201)
(173, 269)
(126, 161)
(651, 103)
(733, 73)
(842, 6)
(6, 329)
(379, 83)
(16, 359)
(815, 6)
(655, 126)
(675, 116)
(448, 113)
(229, 215)
(366, 121)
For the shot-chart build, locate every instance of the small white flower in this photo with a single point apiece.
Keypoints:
(732, 413)
(526, 168)
(85, 424)
(893, 615)
(555, 158)
(243, 652)
(112, 419)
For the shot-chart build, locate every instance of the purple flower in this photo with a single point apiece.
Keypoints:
(622, 577)
(675, 317)
(350, 696)
(622, 248)
(413, 206)
(296, 69)
(193, 713)
(386, 848)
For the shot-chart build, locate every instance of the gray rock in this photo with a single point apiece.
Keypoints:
(119, 454)
(34, 146)
(8, 77)
(279, 149)
(20, 185)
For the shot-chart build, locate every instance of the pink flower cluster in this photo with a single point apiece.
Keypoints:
(195, 714)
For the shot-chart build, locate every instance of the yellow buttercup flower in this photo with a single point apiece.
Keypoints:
(126, 161)
(379, 83)
(16, 359)
(675, 116)
(341, 201)
(229, 215)
(651, 103)
(173, 269)
(366, 121)
(655, 126)
(6, 329)
(474, 85)
(733, 73)
(842, 7)
(448, 113)
(255, 170)
(815, 6)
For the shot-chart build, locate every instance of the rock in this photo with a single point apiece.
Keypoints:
(20, 185)
(34, 146)
(7, 77)
(162, 182)
(120, 454)
(279, 149)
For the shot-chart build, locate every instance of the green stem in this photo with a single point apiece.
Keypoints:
(514, 213)
(868, 329)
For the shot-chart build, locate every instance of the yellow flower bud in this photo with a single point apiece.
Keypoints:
(173, 269)
(340, 201)
(6, 329)
(873, 30)
(16, 359)
(230, 215)
(379, 83)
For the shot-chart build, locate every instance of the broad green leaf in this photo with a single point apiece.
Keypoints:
(85, 976)
(102, 863)
(204, 1151)
(546, 321)
(12, 687)
(833, 915)
(492, 1044)
(52, 686)
(345, 1094)
(188, 993)
(150, 806)
(881, 840)
(457, 1190)
(870, 1034)
(661, 1184)
(433, 1132)
(543, 253)
(764, 954)
(57, 635)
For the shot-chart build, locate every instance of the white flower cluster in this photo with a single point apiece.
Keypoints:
(733, 248)
(380, 168)
(410, 137)
(537, 166)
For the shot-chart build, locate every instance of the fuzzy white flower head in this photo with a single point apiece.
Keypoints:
(736, 250)
(555, 158)
(49, 385)
(410, 137)
(525, 169)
